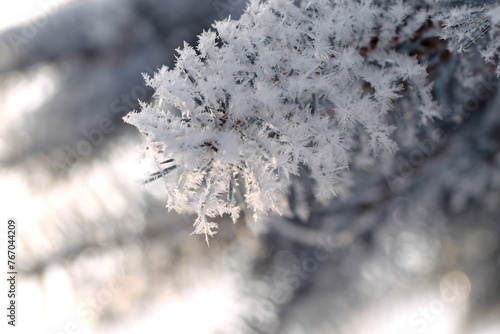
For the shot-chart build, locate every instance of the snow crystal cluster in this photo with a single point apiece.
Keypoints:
(292, 86)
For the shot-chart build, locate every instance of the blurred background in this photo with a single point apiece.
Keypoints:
(415, 252)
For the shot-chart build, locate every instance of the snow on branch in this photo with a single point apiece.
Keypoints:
(287, 85)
